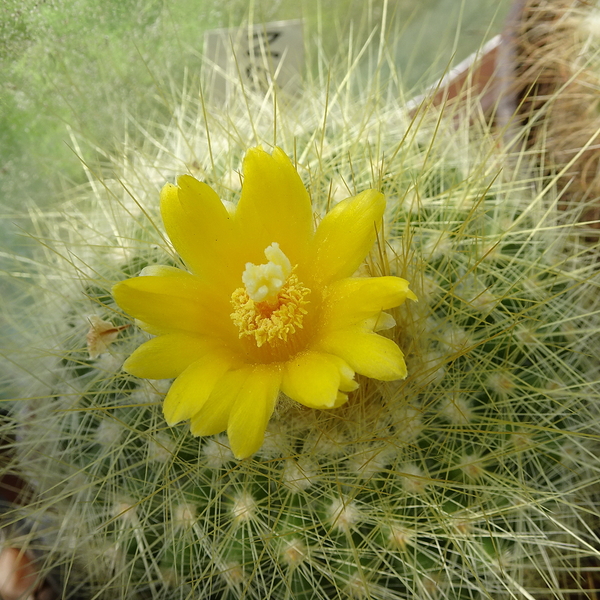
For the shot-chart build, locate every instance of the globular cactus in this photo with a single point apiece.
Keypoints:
(475, 477)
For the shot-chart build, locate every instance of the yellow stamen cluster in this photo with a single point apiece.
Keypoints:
(274, 320)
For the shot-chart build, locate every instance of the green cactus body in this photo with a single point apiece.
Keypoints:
(475, 478)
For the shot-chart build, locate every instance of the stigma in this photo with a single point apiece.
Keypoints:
(264, 282)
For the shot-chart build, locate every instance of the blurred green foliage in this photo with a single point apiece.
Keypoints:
(100, 66)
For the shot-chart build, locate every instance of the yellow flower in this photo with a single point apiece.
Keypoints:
(269, 303)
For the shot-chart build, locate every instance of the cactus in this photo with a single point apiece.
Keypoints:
(476, 477)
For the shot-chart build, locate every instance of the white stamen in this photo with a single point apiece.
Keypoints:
(264, 282)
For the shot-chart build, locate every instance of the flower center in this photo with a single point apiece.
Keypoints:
(271, 305)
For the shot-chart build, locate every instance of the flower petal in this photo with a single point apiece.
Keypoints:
(314, 378)
(367, 353)
(274, 206)
(351, 300)
(340, 400)
(161, 271)
(193, 387)
(213, 417)
(151, 329)
(179, 301)
(253, 409)
(347, 374)
(167, 356)
(345, 236)
(384, 321)
(201, 230)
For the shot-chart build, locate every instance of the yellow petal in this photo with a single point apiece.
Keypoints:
(253, 409)
(347, 374)
(384, 322)
(192, 388)
(167, 356)
(161, 271)
(341, 399)
(351, 300)
(345, 236)
(314, 378)
(151, 329)
(179, 301)
(274, 206)
(201, 230)
(213, 417)
(367, 353)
